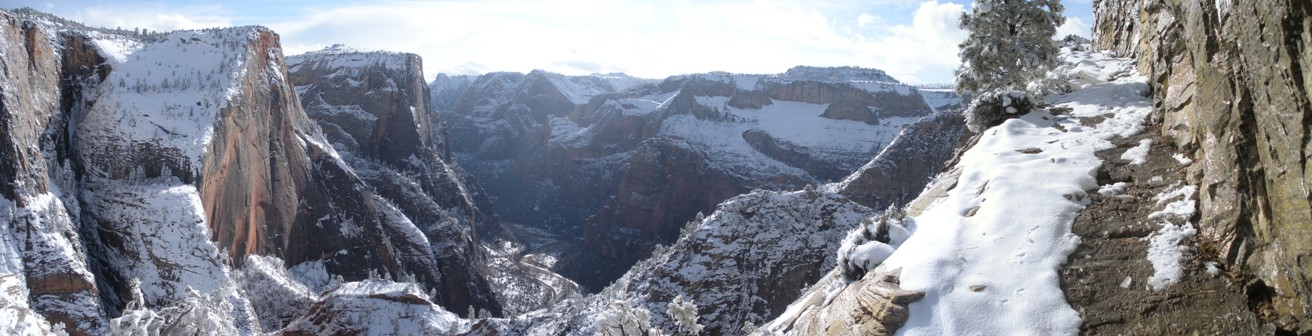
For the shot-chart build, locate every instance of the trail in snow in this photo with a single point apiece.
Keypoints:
(987, 255)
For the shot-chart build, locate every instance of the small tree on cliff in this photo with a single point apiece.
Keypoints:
(1009, 50)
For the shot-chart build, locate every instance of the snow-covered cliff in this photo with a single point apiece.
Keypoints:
(144, 172)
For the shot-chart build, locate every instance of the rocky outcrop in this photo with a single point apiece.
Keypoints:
(1230, 89)
(377, 105)
(918, 153)
(793, 155)
(873, 305)
(262, 179)
(748, 260)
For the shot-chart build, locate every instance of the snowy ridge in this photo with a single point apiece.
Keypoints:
(839, 74)
(275, 295)
(941, 99)
(446, 90)
(579, 89)
(987, 254)
(866, 79)
(351, 62)
(847, 143)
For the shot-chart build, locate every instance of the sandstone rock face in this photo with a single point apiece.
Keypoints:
(1230, 88)
(576, 154)
(377, 100)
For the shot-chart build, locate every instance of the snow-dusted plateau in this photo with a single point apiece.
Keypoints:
(202, 182)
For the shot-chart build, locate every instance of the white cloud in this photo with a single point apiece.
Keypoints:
(1073, 26)
(758, 36)
(866, 20)
(157, 19)
(925, 51)
(913, 40)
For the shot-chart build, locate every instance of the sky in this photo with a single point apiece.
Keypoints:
(915, 41)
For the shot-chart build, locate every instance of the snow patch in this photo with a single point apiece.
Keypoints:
(1165, 249)
(1139, 154)
(1182, 208)
(114, 48)
(313, 274)
(1165, 253)
(380, 307)
(1114, 189)
(1182, 159)
(165, 239)
(796, 123)
(1212, 268)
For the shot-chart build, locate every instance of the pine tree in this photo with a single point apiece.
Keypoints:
(1009, 49)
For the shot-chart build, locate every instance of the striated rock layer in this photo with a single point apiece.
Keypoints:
(1230, 89)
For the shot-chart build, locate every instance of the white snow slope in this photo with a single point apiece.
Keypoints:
(987, 255)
